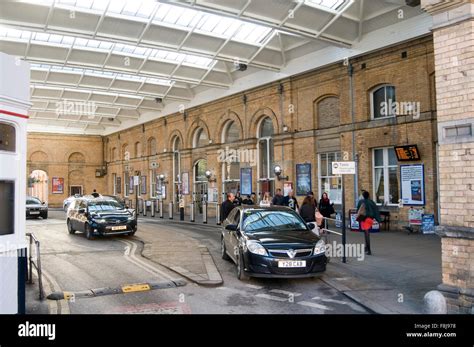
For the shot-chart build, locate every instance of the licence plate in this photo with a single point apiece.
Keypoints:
(120, 227)
(292, 263)
(34, 212)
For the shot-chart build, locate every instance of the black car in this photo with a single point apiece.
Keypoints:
(100, 216)
(36, 208)
(271, 242)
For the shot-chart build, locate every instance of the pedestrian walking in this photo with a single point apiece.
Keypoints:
(238, 199)
(247, 201)
(367, 212)
(325, 208)
(308, 210)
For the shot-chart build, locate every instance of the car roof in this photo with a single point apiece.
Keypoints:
(90, 198)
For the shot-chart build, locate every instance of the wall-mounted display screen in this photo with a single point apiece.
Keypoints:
(7, 137)
(7, 207)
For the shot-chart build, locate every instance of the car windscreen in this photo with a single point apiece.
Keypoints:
(108, 205)
(33, 201)
(268, 220)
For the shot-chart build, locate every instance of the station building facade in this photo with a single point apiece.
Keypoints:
(359, 110)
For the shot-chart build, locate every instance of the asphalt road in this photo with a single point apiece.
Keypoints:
(73, 263)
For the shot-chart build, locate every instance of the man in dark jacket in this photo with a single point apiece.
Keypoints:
(227, 206)
(278, 198)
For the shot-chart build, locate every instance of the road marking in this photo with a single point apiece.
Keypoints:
(285, 292)
(253, 286)
(271, 297)
(330, 300)
(312, 304)
(234, 290)
(131, 257)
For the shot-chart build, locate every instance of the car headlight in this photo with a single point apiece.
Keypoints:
(320, 247)
(100, 221)
(256, 248)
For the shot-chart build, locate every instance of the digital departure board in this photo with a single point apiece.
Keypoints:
(407, 153)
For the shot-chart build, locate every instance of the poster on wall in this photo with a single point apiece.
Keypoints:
(246, 181)
(185, 183)
(287, 186)
(303, 178)
(58, 185)
(412, 184)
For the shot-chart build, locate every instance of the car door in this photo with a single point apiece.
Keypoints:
(234, 234)
(226, 233)
(81, 217)
(72, 213)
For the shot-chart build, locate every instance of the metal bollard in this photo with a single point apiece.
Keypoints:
(153, 202)
(170, 210)
(192, 212)
(204, 212)
(218, 214)
(144, 207)
(161, 208)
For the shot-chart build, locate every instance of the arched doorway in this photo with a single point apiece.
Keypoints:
(38, 185)
(200, 183)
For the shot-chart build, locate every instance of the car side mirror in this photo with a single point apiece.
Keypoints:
(231, 227)
(311, 225)
(43, 203)
(82, 210)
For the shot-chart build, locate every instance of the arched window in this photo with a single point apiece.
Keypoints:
(176, 145)
(328, 114)
(200, 138)
(265, 156)
(152, 146)
(113, 154)
(200, 183)
(138, 149)
(125, 152)
(231, 132)
(383, 102)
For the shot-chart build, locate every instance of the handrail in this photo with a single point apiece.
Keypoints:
(36, 264)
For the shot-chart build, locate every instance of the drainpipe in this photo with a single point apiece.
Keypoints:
(355, 157)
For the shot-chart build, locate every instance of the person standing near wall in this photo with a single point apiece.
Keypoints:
(291, 201)
(278, 198)
(227, 206)
(367, 212)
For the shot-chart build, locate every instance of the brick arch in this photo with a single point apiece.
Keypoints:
(192, 129)
(228, 116)
(175, 133)
(76, 157)
(319, 121)
(257, 118)
(38, 156)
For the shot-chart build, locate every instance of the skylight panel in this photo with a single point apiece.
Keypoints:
(116, 6)
(172, 16)
(131, 8)
(209, 22)
(187, 16)
(84, 3)
(146, 9)
(99, 5)
(331, 4)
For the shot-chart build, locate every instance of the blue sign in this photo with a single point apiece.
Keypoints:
(428, 224)
(246, 181)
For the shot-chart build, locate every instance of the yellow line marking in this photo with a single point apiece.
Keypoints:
(135, 288)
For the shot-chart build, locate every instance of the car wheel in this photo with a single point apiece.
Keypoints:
(69, 227)
(241, 275)
(89, 232)
(44, 216)
(224, 254)
(131, 233)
